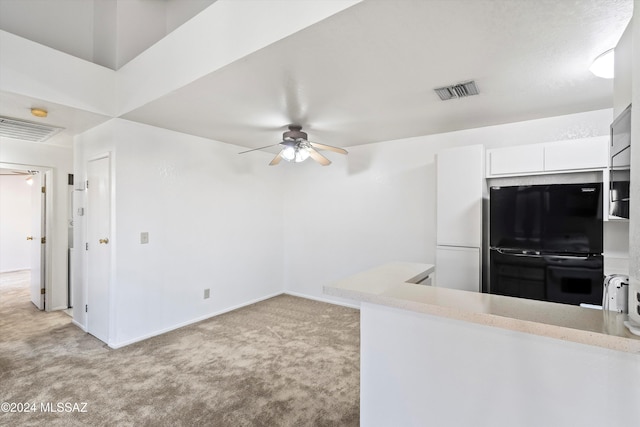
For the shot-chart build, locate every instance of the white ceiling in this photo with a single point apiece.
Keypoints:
(107, 32)
(367, 74)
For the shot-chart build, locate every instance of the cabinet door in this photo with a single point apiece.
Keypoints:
(458, 268)
(460, 184)
(588, 153)
(518, 160)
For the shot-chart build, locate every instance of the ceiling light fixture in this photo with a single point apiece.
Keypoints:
(603, 65)
(296, 151)
(31, 173)
(297, 148)
(39, 112)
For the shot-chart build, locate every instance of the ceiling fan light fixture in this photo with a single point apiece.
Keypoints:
(297, 148)
(295, 153)
(302, 154)
(604, 66)
(289, 153)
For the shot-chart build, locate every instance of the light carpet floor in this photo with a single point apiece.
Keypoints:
(286, 361)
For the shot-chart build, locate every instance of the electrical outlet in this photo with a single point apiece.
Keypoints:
(207, 293)
(144, 238)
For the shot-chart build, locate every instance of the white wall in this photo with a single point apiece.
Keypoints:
(92, 87)
(178, 11)
(622, 83)
(15, 223)
(419, 370)
(378, 203)
(109, 32)
(130, 40)
(161, 18)
(74, 31)
(634, 227)
(190, 53)
(214, 221)
(60, 161)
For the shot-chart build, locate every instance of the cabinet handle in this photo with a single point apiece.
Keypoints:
(105, 241)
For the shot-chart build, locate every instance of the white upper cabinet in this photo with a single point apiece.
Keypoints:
(516, 160)
(551, 157)
(460, 184)
(591, 153)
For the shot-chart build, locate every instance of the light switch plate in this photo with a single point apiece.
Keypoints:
(144, 237)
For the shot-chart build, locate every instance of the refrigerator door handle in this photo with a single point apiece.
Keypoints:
(531, 254)
(565, 257)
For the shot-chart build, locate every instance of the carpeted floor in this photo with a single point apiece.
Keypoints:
(285, 361)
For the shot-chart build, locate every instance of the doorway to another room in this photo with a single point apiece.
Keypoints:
(24, 254)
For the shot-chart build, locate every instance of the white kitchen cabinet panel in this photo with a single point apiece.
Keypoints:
(518, 160)
(458, 268)
(550, 157)
(460, 187)
(589, 153)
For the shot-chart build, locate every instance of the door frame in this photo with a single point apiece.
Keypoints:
(46, 263)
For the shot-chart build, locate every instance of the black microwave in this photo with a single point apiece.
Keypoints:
(620, 165)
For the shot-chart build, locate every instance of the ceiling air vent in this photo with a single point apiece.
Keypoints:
(28, 131)
(460, 90)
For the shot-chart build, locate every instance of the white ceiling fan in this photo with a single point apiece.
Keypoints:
(28, 173)
(18, 172)
(297, 148)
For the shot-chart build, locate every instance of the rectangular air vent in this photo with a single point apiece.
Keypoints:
(28, 131)
(460, 90)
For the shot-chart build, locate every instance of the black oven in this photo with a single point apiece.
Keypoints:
(556, 278)
(574, 280)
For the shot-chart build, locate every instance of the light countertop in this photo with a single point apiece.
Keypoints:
(394, 285)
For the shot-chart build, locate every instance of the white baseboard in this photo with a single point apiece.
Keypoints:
(321, 299)
(189, 322)
(79, 325)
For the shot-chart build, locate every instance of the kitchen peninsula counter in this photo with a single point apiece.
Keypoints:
(397, 285)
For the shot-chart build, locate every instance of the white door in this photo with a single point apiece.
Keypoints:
(38, 239)
(458, 268)
(98, 247)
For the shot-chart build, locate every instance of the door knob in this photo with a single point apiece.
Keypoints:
(29, 237)
(105, 241)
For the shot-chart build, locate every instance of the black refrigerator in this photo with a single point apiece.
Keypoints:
(546, 242)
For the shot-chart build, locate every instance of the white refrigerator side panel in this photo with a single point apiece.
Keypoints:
(458, 268)
(460, 177)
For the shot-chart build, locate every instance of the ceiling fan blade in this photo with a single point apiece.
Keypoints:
(328, 147)
(276, 159)
(318, 157)
(15, 173)
(261, 148)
